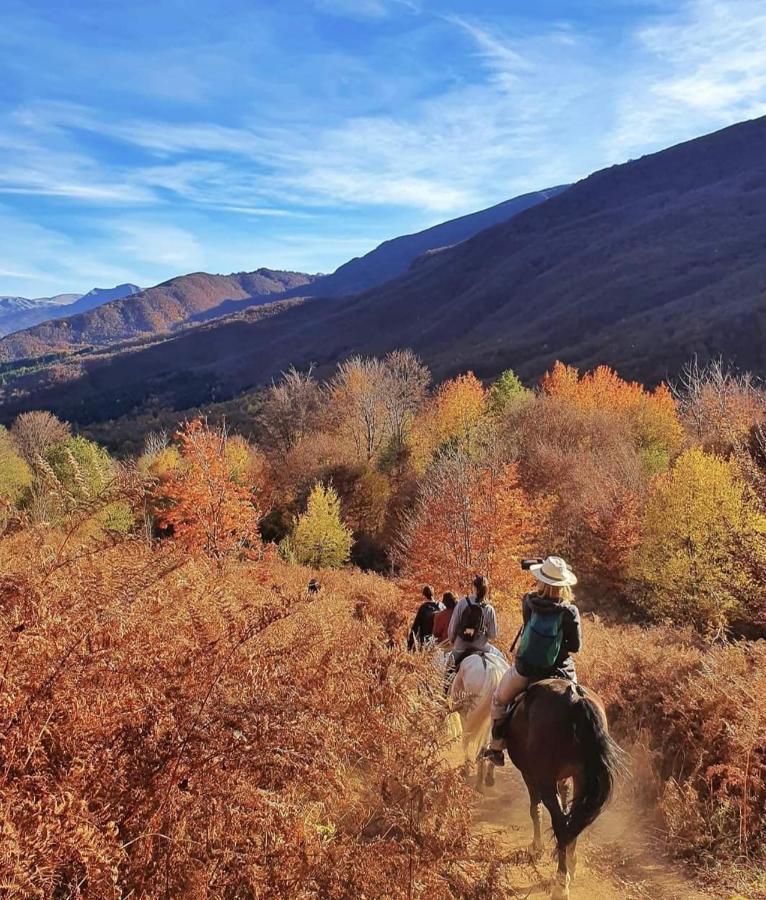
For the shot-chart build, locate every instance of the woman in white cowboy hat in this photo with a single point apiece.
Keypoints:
(551, 633)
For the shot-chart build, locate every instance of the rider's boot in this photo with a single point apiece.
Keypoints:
(496, 746)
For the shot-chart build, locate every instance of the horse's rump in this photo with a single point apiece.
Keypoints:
(560, 731)
(471, 695)
(549, 736)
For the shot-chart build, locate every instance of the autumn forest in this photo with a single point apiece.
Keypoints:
(180, 716)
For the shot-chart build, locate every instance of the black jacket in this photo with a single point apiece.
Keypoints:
(422, 627)
(571, 643)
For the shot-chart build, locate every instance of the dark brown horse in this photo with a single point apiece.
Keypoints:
(559, 732)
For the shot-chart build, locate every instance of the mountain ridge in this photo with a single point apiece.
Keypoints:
(150, 312)
(388, 260)
(638, 266)
(20, 313)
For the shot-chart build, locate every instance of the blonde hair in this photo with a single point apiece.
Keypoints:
(562, 592)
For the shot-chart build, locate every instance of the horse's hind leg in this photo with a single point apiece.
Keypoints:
(534, 812)
(572, 860)
(550, 798)
(480, 763)
(572, 848)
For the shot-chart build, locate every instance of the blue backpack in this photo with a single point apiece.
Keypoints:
(541, 639)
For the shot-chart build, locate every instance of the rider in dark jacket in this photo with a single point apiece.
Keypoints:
(553, 595)
(422, 627)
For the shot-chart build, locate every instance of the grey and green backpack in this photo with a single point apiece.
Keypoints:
(542, 638)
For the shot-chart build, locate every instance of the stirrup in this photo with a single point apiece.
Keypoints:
(497, 757)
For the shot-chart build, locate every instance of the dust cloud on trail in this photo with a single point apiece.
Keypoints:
(616, 861)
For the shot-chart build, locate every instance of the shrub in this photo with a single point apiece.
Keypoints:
(36, 432)
(81, 467)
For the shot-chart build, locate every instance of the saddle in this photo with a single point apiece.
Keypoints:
(472, 652)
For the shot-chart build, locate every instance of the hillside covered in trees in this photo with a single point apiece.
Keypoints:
(181, 717)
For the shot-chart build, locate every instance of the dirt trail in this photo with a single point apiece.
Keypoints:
(616, 860)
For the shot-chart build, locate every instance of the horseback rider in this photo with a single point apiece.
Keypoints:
(472, 626)
(551, 632)
(444, 617)
(422, 627)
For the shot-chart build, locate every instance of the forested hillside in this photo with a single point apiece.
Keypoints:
(181, 716)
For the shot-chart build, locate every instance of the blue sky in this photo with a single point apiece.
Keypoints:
(146, 139)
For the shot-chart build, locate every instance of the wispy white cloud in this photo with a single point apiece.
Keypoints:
(453, 150)
(702, 67)
(156, 243)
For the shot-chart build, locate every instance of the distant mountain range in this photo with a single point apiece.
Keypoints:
(639, 266)
(147, 313)
(192, 299)
(17, 313)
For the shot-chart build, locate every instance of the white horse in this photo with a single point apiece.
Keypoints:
(470, 696)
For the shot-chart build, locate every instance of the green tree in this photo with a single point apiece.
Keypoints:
(701, 536)
(505, 390)
(319, 537)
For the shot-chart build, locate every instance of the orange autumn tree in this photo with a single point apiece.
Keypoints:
(205, 501)
(610, 537)
(471, 516)
(652, 416)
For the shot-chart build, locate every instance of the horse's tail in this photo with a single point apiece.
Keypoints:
(601, 763)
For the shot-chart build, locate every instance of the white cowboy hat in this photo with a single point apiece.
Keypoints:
(555, 571)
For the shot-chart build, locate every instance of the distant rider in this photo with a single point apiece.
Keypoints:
(443, 618)
(551, 633)
(422, 627)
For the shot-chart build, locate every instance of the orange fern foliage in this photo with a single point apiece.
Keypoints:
(471, 517)
(168, 729)
(207, 505)
(696, 715)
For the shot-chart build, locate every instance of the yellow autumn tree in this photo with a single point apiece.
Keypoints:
(701, 532)
(452, 419)
(319, 537)
(15, 474)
